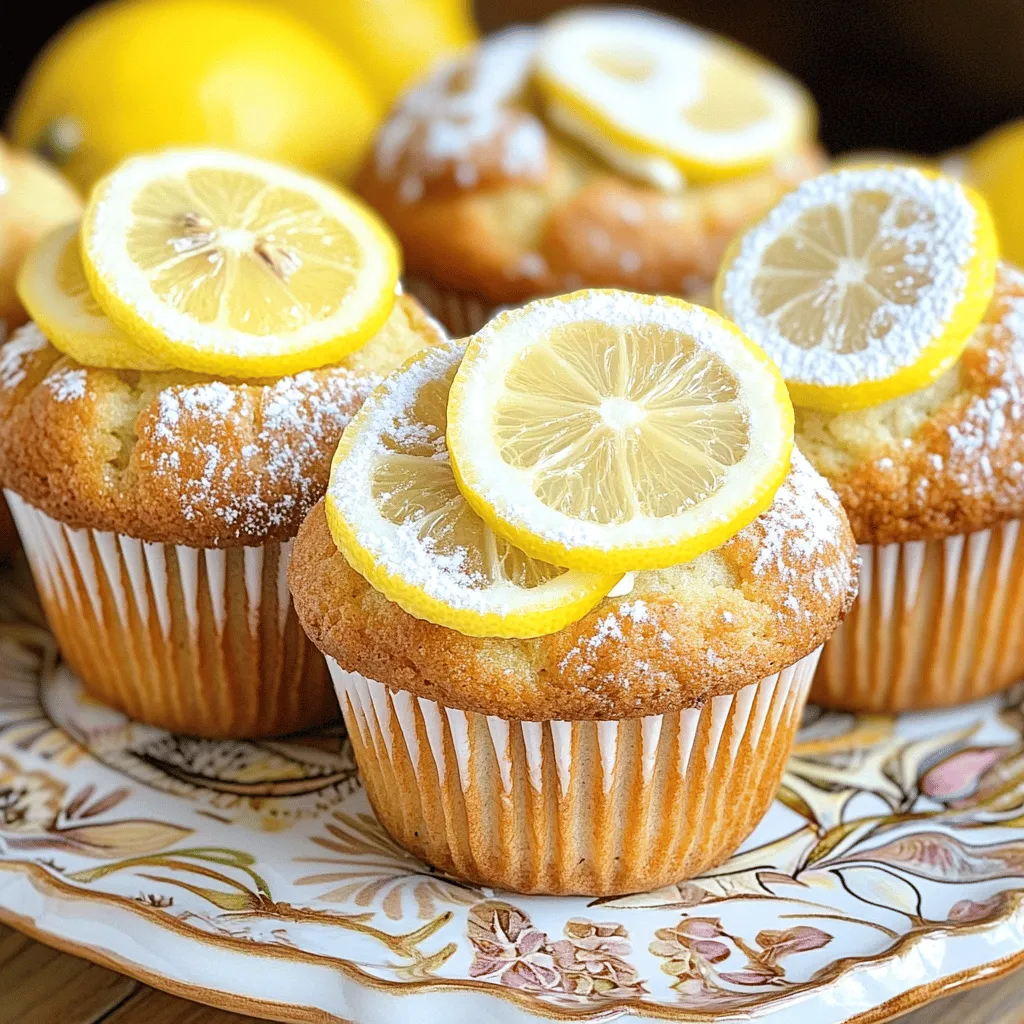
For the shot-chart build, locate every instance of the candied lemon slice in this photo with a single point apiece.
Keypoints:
(656, 89)
(398, 517)
(610, 431)
(52, 287)
(863, 284)
(222, 263)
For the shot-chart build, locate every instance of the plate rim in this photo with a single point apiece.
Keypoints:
(37, 877)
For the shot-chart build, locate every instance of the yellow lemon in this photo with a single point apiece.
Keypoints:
(863, 284)
(222, 263)
(608, 431)
(130, 77)
(393, 42)
(995, 166)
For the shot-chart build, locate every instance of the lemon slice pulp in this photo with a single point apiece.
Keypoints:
(657, 88)
(396, 514)
(53, 288)
(863, 284)
(222, 263)
(609, 431)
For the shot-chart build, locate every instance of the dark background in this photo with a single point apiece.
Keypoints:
(918, 75)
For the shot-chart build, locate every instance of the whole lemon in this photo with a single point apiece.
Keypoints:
(995, 166)
(393, 42)
(133, 76)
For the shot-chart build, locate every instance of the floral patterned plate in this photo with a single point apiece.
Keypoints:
(255, 877)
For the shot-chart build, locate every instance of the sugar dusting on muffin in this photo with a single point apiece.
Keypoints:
(944, 460)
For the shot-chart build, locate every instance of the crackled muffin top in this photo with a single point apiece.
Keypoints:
(177, 457)
(487, 194)
(671, 638)
(947, 459)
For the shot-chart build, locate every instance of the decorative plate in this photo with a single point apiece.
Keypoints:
(255, 877)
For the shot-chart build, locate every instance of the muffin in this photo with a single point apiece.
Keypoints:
(933, 484)
(157, 510)
(622, 748)
(877, 289)
(501, 192)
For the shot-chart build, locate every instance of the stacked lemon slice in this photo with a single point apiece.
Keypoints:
(213, 262)
(503, 487)
(863, 284)
(667, 100)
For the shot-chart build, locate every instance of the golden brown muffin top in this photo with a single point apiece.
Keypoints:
(757, 604)
(487, 197)
(177, 457)
(947, 459)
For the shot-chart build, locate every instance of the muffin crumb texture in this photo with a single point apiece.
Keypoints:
(947, 459)
(758, 604)
(176, 457)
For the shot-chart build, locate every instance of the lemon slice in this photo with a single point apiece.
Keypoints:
(863, 284)
(52, 287)
(609, 431)
(659, 90)
(222, 263)
(398, 517)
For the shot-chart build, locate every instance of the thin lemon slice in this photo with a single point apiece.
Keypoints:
(52, 287)
(609, 431)
(398, 517)
(656, 89)
(222, 263)
(863, 284)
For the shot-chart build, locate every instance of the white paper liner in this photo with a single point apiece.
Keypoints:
(461, 313)
(591, 807)
(196, 640)
(936, 623)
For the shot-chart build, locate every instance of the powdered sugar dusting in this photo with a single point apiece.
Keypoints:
(437, 127)
(289, 427)
(801, 538)
(996, 417)
(925, 238)
(14, 354)
(67, 385)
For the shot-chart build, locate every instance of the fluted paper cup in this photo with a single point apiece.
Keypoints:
(936, 623)
(200, 641)
(460, 313)
(595, 807)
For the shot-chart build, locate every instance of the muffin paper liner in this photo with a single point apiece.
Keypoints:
(593, 807)
(196, 640)
(460, 313)
(936, 623)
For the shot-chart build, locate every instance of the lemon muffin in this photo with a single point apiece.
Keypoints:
(157, 510)
(618, 742)
(878, 291)
(536, 164)
(933, 484)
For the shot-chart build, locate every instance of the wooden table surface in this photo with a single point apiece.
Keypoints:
(38, 985)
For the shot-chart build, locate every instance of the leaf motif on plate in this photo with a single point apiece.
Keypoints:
(880, 887)
(939, 857)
